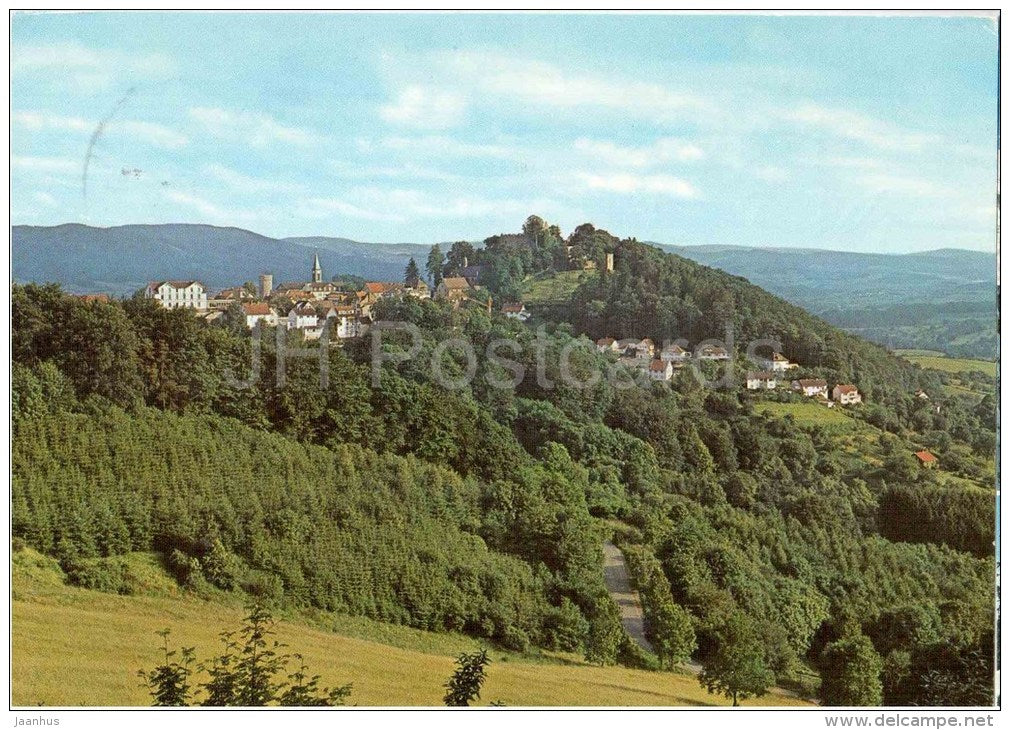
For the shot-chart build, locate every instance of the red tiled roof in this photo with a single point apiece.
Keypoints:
(761, 376)
(512, 308)
(925, 457)
(456, 282)
(256, 308)
(812, 383)
(847, 388)
(658, 366)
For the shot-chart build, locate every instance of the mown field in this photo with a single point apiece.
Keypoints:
(551, 289)
(808, 413)
(74, 647)
(927, 359)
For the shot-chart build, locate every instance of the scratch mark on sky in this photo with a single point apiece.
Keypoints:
(95, 137)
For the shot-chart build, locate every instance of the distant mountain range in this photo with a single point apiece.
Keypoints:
(837, 285)
(822, 280)
(122, 259)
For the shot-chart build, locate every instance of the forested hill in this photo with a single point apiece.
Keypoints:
(937, 300)
(820, 279)
(122, 259)
(770, 537)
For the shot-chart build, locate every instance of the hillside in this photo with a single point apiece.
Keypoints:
(59, 628)
(942, 299)
(759, 528)
(820, 279)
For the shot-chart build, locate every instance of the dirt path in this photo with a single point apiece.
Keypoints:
(615, 575)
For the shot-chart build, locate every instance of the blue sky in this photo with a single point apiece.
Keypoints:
(866, 134)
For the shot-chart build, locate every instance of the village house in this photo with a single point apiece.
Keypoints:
(343, 320)
(846, 394)
(811, 387)
(453, 289)
(922, 395)
(516, 311)
(646, 348)
(320, 289)
(606, 344)
(778, 363)
(418, 291)
(660, 370)
(303, 316)
(175, 294)
(761, 381)
(210, 315)
(629, 347)
(471, 273)
(927, 459)
(675, 354)
(259, 312)
(712, 352)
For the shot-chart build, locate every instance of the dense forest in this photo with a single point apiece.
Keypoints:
(482, 509)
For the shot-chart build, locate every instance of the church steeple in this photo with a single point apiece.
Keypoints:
(317, 271)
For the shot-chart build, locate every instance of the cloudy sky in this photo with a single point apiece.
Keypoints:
(867, 134)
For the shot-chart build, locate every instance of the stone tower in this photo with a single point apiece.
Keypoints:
(317, 271)
(266, 285)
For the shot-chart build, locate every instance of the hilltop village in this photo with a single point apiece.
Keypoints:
(309, 307)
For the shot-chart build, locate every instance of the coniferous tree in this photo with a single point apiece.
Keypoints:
(411, 275)
(434, 265)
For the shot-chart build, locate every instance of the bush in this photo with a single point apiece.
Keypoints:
(98, 574)
(265, 586)
(632, 655)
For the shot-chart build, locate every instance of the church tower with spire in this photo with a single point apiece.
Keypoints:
(317, 271)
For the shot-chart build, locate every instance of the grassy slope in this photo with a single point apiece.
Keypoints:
(79, 647)
(808, 413)
(948, 364)
(551, 289)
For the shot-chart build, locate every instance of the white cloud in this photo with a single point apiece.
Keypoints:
(239, 182)
(327, 207)
(45, 164)
(425, 107)
(211, 211)
(405, 205)
(36, 121)
(544, 85)
(45, 199)
(258, 130)
(441, 146)
(858, 127)
(771, 173)
(155, 134)
(628, 184)
(903, 185)
(666, 149)
(83, 69)
(407, 171)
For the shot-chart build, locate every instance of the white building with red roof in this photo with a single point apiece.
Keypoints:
(175, 294)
